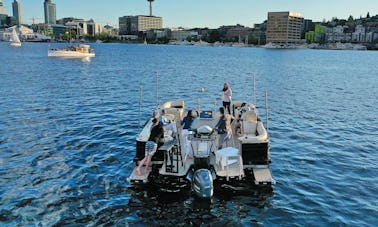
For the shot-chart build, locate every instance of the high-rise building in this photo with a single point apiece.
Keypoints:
(3, 10)
(17, 12)
(284, 28)
(134, 25)
(50, 12)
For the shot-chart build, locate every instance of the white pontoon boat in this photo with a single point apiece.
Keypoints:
(81, 51)
(193, 156)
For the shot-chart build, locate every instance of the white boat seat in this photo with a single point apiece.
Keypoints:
(227, 156)
(249, 127)
(249, 115)
(262, 135)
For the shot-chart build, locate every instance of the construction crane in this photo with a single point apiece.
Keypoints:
(34, 19)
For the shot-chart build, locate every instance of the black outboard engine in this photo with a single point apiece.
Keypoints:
(203, 183)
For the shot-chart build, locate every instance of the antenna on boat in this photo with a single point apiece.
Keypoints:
(266, 109)
(254, 89)
(140, 106)
(157, 90)
(199, 105)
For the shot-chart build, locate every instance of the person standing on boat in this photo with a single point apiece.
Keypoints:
(157, 132)
(187, 123)
(227, 96)
(223, 127)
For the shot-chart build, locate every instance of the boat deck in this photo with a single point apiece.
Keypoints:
(227, 162)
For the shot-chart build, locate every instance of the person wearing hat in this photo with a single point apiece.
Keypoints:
(226, 97)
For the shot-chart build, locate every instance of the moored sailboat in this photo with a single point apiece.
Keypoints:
(14, 40)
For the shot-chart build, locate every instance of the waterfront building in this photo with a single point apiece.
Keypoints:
(83, 27)
(135, 25)
(50, 12)
(3, 10)
(182, 34)
(338, 34)
(3, 14)
(17, 12)
(258, 34)
(22, 31)
(158, 33)
(80, 26)
(93, 28)
(317, 36)
(360, 34)
(284, 28)
(235, 33)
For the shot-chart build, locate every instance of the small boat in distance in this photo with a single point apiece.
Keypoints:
(14, 40)
(81, 51)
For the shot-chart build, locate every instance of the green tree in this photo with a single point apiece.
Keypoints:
(103, 36)
(214, 36)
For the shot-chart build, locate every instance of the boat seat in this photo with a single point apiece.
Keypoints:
(249, 127)
(177, 113)
(249, 115)
(259, 134)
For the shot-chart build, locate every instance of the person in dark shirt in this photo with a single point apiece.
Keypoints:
(157, 132)
(223, 127)
(188, 120)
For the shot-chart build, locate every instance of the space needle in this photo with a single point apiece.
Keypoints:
(150, 7)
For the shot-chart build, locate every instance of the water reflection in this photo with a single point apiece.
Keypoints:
(228, 206)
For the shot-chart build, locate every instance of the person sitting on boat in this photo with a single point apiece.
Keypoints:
(168, 122)
(157, 133)
(188, 120)
(238, 124)
(223, 127)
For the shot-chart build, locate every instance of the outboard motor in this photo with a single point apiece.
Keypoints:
(202, 179)
(203, 183)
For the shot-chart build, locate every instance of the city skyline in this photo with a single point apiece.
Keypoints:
(195, 13)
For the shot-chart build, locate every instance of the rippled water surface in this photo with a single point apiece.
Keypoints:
(68, 127)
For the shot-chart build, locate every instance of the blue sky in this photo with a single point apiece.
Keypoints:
(198, 13)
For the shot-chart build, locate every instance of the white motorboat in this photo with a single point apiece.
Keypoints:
(193, 158)
(81, 51)
(14, 40)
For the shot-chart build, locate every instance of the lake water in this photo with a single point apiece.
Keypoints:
(68, 127)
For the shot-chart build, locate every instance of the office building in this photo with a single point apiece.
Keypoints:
(134, 25)
(50, 12)
(3, 14)
(284, 28)
(17, 12)
(3, 10)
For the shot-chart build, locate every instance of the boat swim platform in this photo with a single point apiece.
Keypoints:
(143, 178)
(263, 176)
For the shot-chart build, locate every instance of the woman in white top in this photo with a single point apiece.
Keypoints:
(226, 97)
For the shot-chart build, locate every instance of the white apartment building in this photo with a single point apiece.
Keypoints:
(181, 34)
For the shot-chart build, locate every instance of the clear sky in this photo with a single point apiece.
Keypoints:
(197, 13)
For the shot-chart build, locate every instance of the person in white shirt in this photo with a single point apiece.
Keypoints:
(227, 97)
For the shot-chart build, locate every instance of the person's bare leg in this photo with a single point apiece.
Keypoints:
(148, 164)
(140, 165)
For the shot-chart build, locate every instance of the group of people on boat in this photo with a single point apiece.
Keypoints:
(166, 122)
